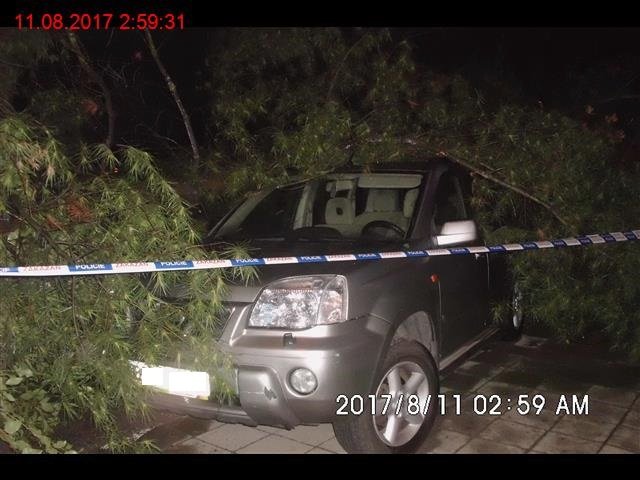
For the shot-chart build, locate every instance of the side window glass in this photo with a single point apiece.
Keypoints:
(448, 203)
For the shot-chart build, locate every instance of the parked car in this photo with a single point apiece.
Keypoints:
(304, 334)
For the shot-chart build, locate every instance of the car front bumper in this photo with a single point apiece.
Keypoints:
(343, 357)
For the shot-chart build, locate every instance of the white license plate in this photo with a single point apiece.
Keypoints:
(175, 380)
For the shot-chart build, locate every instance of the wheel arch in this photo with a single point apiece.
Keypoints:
(419, 327)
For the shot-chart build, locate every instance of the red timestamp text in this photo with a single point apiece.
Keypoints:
(100, 21)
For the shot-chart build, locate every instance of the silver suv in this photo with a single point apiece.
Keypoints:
(337, 341)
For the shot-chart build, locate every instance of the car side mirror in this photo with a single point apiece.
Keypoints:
(453, 233)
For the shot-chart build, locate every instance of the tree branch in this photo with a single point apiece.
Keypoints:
(174, 93)
(505, 184)
(78, 49)
(339, 67)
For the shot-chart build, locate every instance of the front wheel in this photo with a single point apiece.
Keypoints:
(400, 418)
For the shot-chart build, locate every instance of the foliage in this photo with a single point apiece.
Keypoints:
(304, 101)
(20, 54)
(78, 335)
(27, 414)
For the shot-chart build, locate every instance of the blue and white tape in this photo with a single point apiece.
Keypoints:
(142, 267)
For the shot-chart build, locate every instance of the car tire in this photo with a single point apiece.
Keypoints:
(369, 433)
(513, 320)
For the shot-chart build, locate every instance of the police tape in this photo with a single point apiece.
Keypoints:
(145, 267)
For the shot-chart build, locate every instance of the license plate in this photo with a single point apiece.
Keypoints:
(176, 381)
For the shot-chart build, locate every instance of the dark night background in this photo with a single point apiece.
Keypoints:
(544, 65)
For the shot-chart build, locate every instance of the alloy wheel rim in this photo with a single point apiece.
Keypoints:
(516, 305)
(398, 424)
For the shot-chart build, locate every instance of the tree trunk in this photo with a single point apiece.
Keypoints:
(78, 49)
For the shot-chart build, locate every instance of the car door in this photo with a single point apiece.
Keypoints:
(462, 278)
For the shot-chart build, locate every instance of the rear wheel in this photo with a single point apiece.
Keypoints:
(513, 320)
(398, 422)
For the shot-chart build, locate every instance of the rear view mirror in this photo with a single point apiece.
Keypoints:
(453, 233)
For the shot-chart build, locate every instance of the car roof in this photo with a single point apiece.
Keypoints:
(412, 166)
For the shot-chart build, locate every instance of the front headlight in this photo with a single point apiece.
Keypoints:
(296, 303)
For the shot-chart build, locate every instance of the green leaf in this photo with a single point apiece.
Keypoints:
(46, 406)
(12, 426)
(24, 372)
(14, 381)
(31, 450)
(27, 395)
(60, 444)
(8, 396)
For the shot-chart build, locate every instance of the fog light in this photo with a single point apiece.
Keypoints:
(303, 381)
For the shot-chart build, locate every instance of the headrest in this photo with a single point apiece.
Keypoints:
(382, 200)
(410, 202)
(339, 185)
(339, 211)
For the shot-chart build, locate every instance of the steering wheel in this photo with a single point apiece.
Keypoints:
(367, 229)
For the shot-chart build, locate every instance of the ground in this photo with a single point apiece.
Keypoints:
(531, 366)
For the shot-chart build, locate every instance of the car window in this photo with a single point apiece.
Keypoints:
(343, 206)
(274, 215)
(448, 203)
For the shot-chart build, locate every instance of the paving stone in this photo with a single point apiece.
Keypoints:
(527, 341)
(481, 445)
(615, 396)
(545, 420)
(311, 435)
(626, 438)
(479, 369)
(562, 385)
(519, 377)
(611, 449)
(605, 412)
(632, 420)
(195, 426)
(332, 445)
(558, 443)
(467, 423)
(193, 445)
(462, 383)
(583, 428)
(232, 437)
(511, 433)
(444, 441)
(497, 357)
(275, 444)
(163, 436)
(317, 450)
(503, 390)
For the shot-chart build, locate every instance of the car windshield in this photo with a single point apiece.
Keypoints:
(336, 207)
